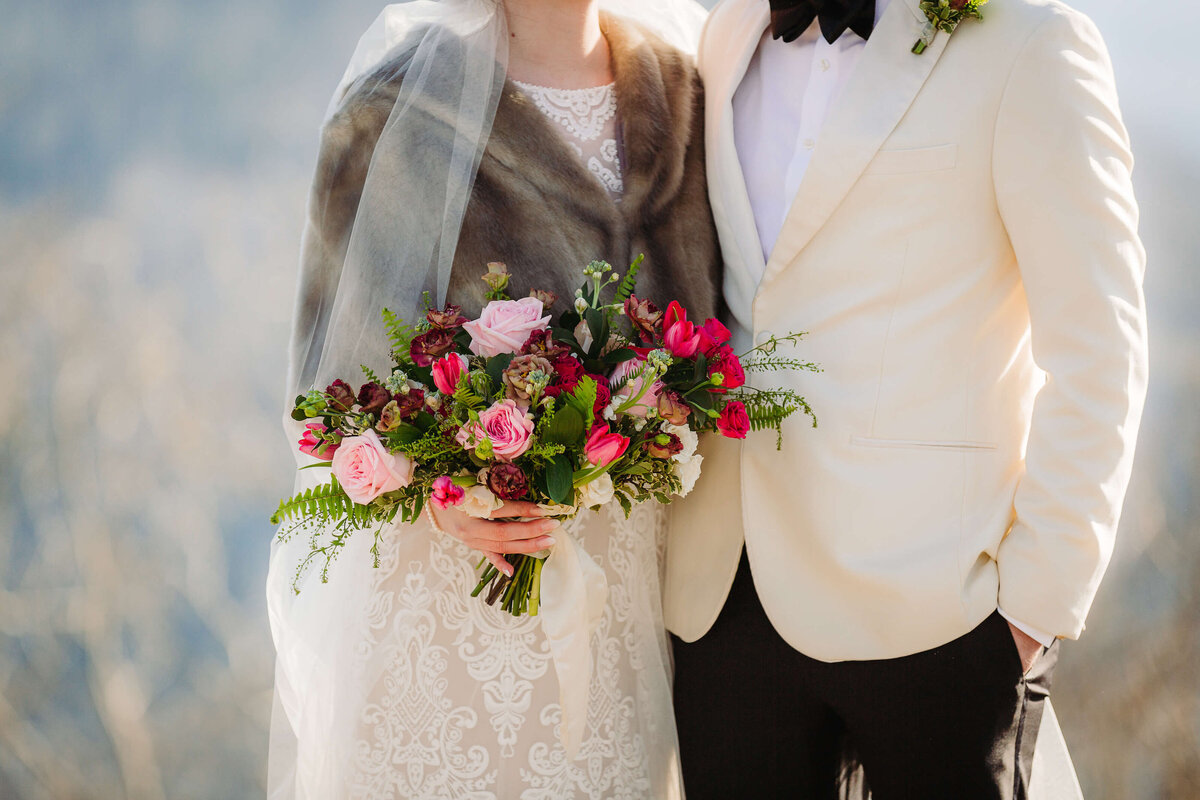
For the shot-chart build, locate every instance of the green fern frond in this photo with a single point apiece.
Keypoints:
(400, 334)
(629, 282)
(328, 501)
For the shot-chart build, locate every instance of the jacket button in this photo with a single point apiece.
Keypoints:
(763, 337)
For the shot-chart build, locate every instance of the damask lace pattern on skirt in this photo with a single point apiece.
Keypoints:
(464, 698)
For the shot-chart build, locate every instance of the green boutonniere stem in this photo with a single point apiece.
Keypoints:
(944, 15)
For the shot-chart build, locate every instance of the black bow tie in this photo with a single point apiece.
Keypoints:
(790, 18)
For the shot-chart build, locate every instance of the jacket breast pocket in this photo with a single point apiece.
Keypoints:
(945, 446)
(919, 159)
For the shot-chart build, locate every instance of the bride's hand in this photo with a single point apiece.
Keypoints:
(502, 533)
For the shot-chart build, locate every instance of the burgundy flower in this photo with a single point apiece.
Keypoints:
(603, 394)
(410, 404)
(726, 362)
(664, 445)
(507, 481)
(373, 397)
(341, 394)
(541, 343)
(644, 316)
(673, 408)
(567, 374)
(448, 318)
(431, 345)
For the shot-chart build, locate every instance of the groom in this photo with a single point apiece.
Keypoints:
(957, 232)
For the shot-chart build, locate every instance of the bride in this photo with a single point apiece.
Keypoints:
(544, 134)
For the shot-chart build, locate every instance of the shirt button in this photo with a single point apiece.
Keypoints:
(825, 65)
(809, 144)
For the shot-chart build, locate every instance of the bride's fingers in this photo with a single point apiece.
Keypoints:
(515, 509)
(523, 546)
(498, 561)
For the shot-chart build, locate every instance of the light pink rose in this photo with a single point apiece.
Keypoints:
(505, 325)
(365, 468)
(632, 370)
(507, 425)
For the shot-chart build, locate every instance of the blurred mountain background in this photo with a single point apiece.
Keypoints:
(154, 163)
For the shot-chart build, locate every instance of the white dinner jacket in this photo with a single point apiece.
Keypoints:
(963, 253)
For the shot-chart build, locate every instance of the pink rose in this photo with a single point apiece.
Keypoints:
(603, 447)
(365, 468)
(446, 493)
(734, 422)
(632, 372)
(313, 444)
(448, 371)
(505, 325)
(679, 335)
(507, 425)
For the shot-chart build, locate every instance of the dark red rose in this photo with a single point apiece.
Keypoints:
(567, 373)
(664, 445)
(541, 343)
(726, 362)
(448, 318)
(734, 422)
(373, 397)
(410, 403)
(431, 345)
(603, 394)
(644, 316)
(673, 408)
(507, 481)
(342, 395)
(958, 5)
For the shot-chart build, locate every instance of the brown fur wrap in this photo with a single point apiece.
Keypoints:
(534, 205)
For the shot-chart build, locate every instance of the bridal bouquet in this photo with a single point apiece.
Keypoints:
(604, 403)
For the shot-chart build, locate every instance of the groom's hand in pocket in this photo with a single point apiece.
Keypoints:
(1028, 648)
(514, 528)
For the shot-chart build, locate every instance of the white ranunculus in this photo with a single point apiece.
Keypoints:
(596, 492)
(688, 472)
(480, 502)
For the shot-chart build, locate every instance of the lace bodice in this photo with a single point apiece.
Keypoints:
(587, 121)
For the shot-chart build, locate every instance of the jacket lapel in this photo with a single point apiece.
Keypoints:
(726, 59)
(885, 82)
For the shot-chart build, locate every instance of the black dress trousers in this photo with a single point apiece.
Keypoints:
(758, 719)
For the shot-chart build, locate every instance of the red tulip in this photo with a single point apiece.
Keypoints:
(603, 447)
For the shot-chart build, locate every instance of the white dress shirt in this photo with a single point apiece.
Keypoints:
(779, 110)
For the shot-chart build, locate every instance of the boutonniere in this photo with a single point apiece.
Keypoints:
(944, 15)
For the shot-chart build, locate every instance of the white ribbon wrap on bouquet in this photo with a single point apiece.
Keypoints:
(574, 591)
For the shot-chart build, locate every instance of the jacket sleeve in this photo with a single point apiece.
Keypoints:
(1061, 170)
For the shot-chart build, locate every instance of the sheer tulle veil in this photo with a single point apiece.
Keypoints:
(452, 55)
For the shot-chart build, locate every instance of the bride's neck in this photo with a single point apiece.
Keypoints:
(557, 43)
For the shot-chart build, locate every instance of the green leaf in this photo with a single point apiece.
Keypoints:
(620, 355)
(496, 366)
(598, 325)
(566, 427)
(559, 478)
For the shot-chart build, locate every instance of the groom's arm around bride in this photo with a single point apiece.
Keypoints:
(957, 232)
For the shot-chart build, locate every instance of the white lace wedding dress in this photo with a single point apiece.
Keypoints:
(410, 688)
